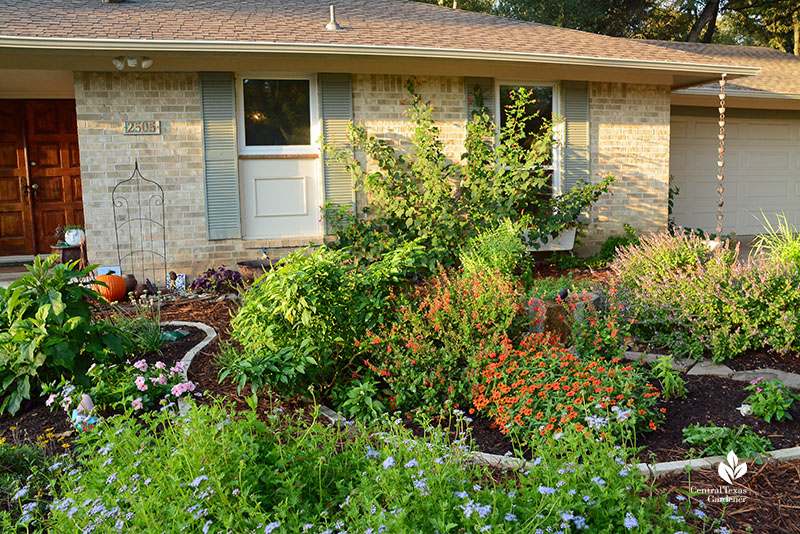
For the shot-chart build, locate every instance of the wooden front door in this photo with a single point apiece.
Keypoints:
(16, 221)
(47, 173)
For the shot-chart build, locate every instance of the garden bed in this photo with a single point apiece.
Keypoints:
(710, 400)
(39, 422)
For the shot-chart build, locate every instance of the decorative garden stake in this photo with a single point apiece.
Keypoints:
(721, 161)
(140, 227)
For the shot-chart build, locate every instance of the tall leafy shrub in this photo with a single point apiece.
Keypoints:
(47, 331)
(694, 298)
(298, 326)
(676, 288)
(418, 193)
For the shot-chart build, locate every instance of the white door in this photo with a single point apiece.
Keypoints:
(762, 172)
(279, 158)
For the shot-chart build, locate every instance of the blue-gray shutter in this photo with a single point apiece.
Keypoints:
(486, 88)
(576, 128)
(337, 112)
(221, 165)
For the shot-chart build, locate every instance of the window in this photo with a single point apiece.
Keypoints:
(276, 115)
(546, 105)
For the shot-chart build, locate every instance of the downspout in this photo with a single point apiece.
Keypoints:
(721, 160)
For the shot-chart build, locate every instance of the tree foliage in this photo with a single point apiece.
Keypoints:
(771, 23)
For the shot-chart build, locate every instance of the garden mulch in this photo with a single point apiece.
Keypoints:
(35, 421)
(771, 492)
(765, 359)
(711, 400)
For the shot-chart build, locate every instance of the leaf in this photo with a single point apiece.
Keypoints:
(56, 302)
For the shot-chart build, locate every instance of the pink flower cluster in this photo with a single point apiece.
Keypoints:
(137, 403)
(141, 365)
(141, 383)
(180, 389)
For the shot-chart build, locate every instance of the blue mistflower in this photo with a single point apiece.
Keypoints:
(630, 521)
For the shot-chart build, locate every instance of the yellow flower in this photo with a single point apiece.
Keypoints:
(65, 445)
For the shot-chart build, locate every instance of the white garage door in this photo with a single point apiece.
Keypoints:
(762, 172)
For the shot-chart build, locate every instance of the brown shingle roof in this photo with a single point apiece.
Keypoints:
(780, 72)
(380, 23)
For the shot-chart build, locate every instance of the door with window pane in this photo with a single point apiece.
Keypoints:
(279, 157)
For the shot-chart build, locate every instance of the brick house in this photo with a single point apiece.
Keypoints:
(238, 93)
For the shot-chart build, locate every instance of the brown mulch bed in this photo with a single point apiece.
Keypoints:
(711, 400)
(761, 359)
(772, 498)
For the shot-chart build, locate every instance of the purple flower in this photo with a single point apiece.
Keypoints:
(630, 521)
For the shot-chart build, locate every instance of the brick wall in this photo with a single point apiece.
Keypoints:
(629, 138)
(380, 100)
(174, 159)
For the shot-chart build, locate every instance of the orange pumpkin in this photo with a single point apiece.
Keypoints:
(116, 287)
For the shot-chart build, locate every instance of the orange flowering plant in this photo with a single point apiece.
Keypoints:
(538, 388)
(599, 332)
(424, 357)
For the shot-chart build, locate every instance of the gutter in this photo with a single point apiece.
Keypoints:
(138, 45)
(744, 93)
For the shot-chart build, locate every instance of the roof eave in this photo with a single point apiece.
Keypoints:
(743, 93)
(136, 45)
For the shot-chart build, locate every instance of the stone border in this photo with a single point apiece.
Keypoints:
(704, 367)
(186, 361)
(708, 368)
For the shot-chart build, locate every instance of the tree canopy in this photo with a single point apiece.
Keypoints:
(771, 23)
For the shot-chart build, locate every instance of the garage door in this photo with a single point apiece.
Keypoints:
(762, 172)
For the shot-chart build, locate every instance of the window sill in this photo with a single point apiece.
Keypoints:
(278, 156)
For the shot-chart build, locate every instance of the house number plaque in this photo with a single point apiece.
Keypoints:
(142, 128)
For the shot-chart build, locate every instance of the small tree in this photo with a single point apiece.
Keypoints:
(419, 194)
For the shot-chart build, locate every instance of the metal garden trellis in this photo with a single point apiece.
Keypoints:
(140, 227)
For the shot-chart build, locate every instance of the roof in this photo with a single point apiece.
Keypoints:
(368, 24)
(780, 72)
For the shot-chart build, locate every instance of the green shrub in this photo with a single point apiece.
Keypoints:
(766, 298)
(47, 331)
(770, 399)
(425, 356)
(604, 256)
(716, 440)
(677, 288)
(419, 193)
(692, 299)
(499, 249)
(298, 326)
(781, 244)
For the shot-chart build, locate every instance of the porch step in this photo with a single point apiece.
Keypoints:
(13, 261)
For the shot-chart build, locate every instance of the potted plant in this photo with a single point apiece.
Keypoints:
(73, 234)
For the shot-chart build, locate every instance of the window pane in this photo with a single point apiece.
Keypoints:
(276, 112)
(543, 103)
